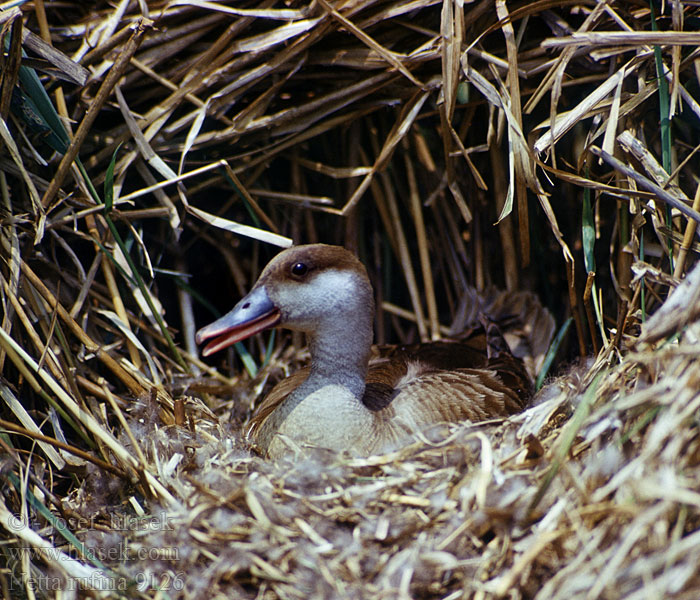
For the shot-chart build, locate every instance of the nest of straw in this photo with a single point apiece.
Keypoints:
(154, 153)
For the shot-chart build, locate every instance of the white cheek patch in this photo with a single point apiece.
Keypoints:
(334, 283)
(319, 291)
(323, 296)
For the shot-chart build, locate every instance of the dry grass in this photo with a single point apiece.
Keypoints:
(404, 131)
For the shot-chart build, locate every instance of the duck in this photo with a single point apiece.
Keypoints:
(363, 399)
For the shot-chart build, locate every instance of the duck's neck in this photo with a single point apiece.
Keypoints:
(340, 354)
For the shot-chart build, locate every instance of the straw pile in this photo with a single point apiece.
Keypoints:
(152, 150)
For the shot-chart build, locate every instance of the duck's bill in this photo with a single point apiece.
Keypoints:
(253, 314)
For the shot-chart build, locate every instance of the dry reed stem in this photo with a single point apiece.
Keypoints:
(105, 90)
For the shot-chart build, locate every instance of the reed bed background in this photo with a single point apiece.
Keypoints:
(156, 155)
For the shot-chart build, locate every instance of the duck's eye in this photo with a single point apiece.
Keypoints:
(299, 269)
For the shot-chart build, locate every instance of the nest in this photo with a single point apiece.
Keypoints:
(154, 152)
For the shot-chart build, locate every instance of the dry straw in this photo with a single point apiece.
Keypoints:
(152, 148)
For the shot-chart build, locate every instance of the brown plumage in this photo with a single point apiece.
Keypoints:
(361, 398)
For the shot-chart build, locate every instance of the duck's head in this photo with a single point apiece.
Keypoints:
(312, 288)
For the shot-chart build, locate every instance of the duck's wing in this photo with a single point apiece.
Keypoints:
(422, 396)
(474, 380)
